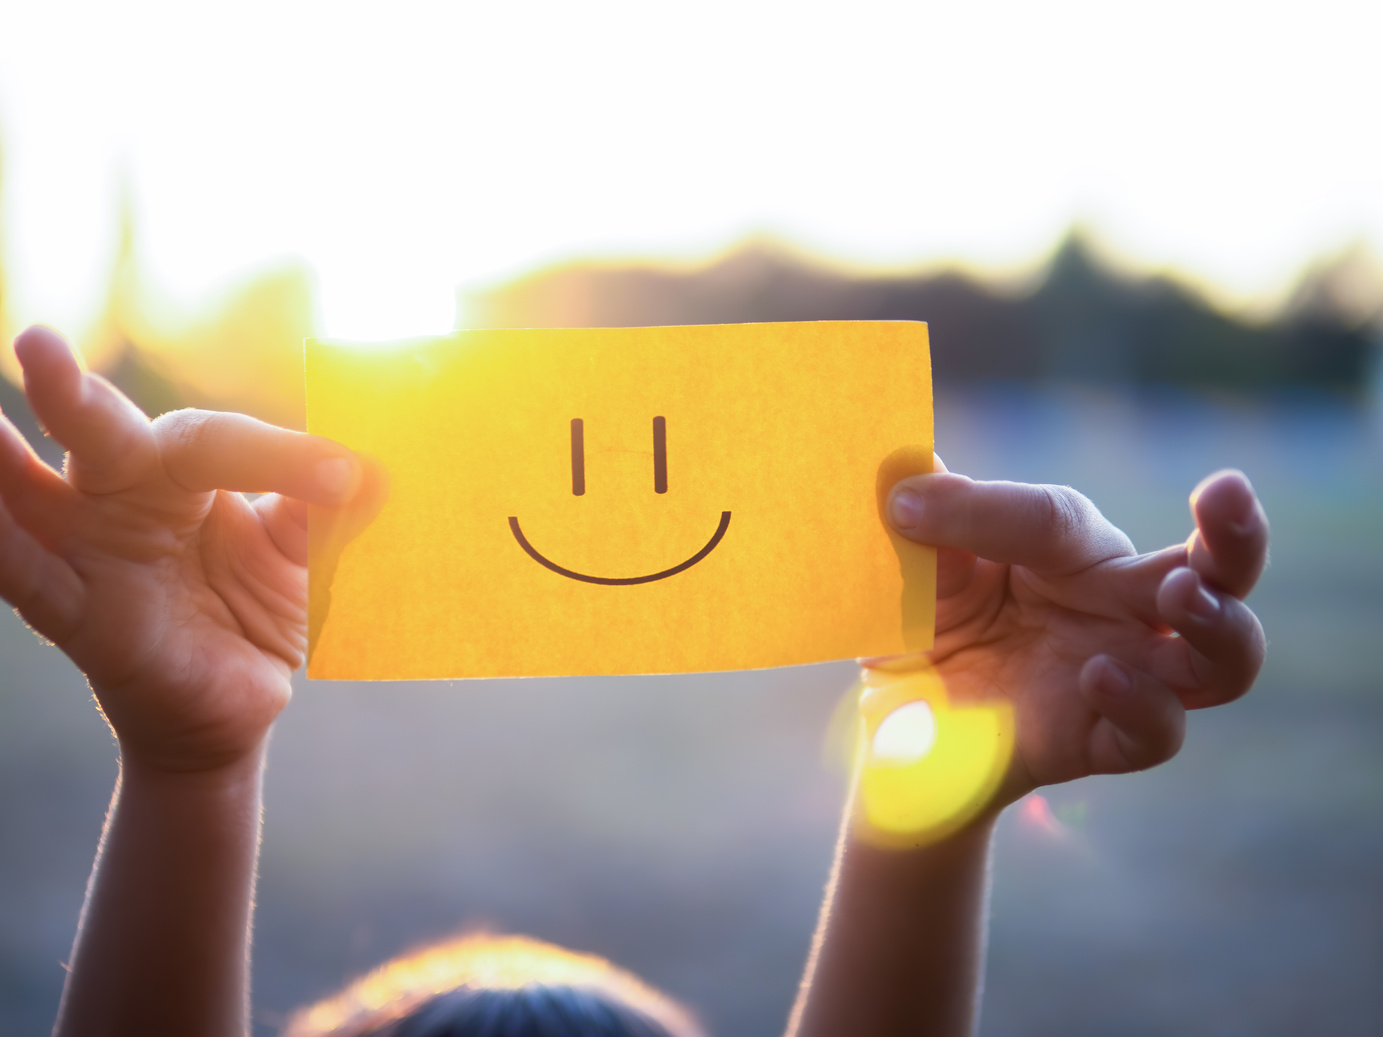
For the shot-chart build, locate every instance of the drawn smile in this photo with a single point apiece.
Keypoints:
(578, 489)
(620, 581)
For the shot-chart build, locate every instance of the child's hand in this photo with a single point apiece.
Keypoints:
(1100, 649)
(184, 603)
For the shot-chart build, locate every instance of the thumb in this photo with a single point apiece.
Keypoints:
(1050, 529)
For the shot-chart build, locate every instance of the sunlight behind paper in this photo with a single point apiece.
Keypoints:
(602, 501)
(460, 144)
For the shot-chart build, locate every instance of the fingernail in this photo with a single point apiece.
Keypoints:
(905, 509)
(1114, 680)
(1244, 516)
(336, 475)
(1202, 604)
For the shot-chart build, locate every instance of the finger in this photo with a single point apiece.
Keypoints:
(37, 497)
(1141, 721)
(212, 450)
(954, 568)
(288, 520)
(1134, 591)
(107, 436)
(285, 519)
(1050, 529)
(44, 589)
(1221, 648)
(1230, 545)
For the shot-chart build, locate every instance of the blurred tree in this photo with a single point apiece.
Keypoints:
(1080, 322)
(242, 351)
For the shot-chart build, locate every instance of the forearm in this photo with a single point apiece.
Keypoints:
(162, 946)
(899, 948)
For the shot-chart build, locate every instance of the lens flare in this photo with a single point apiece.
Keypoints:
(929, 765)
(1036, 813)
(905, 736)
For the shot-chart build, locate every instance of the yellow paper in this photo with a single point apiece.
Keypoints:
(731, 482)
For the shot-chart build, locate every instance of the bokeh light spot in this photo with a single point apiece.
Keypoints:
(933, 764)
(906, 735)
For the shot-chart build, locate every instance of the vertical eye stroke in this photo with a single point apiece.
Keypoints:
(660, 455)
(578, 457)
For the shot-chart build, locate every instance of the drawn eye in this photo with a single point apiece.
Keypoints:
(578, 456)
(660, 455)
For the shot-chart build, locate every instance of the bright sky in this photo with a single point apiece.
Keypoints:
(406, 148)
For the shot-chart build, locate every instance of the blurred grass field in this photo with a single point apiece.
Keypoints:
(683, 825)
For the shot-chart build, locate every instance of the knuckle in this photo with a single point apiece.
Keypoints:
(26, 596)
(183, 428)
(1061, 509)
(183, 435)
(1252, 652)
(1156, 747)
(1247, 641)
(1258, 642)
(945, 488)
(38, 604)
(1226, 661)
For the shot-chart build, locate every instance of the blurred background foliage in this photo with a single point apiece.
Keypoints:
(1077, 318)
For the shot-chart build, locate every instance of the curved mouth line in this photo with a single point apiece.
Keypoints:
(620, 581)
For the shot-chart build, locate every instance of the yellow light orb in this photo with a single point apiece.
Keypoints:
(928, 765)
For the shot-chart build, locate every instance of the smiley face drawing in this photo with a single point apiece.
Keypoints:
(578, 489)
(742, 529)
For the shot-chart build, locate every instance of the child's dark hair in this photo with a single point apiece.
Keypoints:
(496, 986)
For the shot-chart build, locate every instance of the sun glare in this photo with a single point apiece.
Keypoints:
(905, 736)
(404, 155)
(932, 764)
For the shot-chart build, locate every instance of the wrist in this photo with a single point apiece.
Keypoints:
(961, 839)
(214, 724)
(232, 775)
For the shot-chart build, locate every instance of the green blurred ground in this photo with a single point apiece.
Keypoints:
(683, 825)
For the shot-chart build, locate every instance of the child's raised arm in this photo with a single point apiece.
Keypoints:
(185, 605)
(1101, 652)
